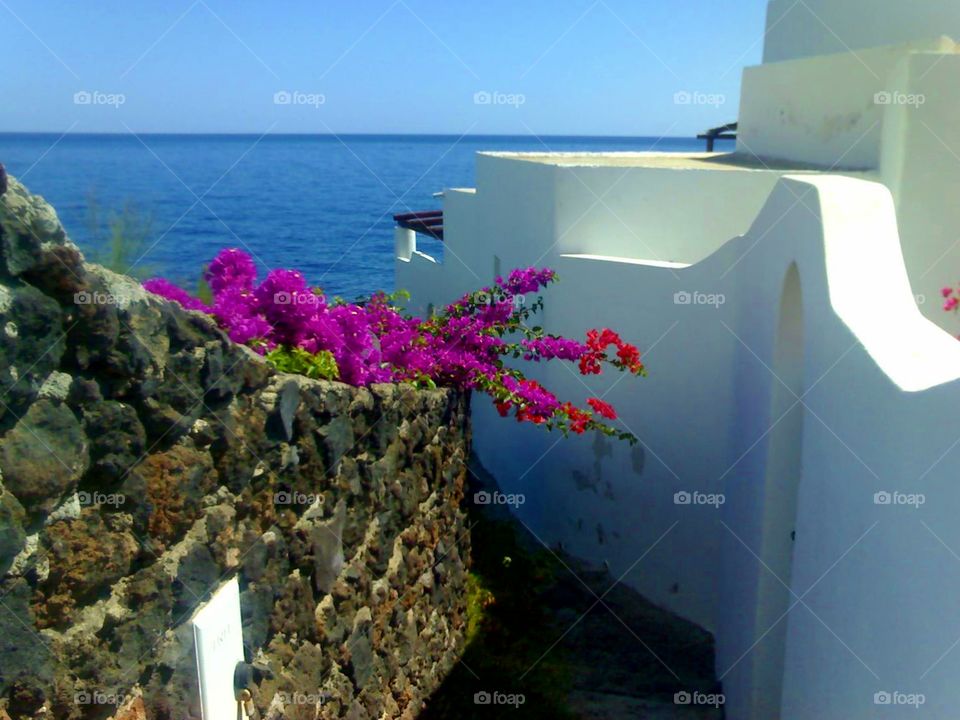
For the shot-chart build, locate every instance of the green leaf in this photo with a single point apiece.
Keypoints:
(319, 366)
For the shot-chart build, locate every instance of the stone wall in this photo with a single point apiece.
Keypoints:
(145, 459)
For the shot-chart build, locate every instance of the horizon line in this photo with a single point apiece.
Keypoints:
(343, 134)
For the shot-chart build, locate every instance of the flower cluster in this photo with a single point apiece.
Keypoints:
(465, 345)
(627, 356)
(951, 298)
(167, 289)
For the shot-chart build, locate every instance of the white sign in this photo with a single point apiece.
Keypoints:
(218, 636)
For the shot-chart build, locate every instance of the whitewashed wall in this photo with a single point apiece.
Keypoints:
(879, 391)
(826, 111)
(823, 111)
(677, 215)
(827, 374)
(921, 165)
(823, 27)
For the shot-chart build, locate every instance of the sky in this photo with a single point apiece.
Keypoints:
(545, 67)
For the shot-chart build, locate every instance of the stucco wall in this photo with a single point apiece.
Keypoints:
(877, 382)
(822, 27)
(890, 111)
(821, 376)
(827, 111)
(921, 164)
(525, 212)
(658, 214)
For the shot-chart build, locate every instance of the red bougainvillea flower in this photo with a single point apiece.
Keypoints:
(629, 355)
(590, 364)
(592, 359)
(603, 409)
(579, 420)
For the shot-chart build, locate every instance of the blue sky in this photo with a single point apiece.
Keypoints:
(545, 67)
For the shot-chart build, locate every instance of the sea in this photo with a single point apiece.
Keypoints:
(322, 204)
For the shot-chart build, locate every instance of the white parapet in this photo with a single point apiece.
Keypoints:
(827, 111)
(405, 243)
(823, 27)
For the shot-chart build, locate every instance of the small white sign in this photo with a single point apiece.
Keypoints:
(218, 636)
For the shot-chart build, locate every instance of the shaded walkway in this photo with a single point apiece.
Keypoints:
(537, 630)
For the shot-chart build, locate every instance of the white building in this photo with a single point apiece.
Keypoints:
(800, 363)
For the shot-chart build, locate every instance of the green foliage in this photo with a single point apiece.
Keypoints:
(479, 599)
(204, 293)
(319, 366)
(120, 237)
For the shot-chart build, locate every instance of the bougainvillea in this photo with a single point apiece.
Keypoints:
(951, 298)
(298, 329)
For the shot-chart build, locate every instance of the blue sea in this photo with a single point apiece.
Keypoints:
(319, 203)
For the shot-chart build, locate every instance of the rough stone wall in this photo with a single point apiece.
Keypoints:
(145, 459)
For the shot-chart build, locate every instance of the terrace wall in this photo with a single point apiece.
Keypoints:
(145, 459)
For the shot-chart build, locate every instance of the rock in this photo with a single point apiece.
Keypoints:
(86, 558)
(29, 227)
(338, 436)
(145, 631)
(132, 709)
(84, 392)
(288, 401)
(117, 440)
(60, 273)
(94, 322)
(361, 651)
(12, 535)
(293, 609)
(136, 355)
(174, 691)
(176, 481)
(326, 541)
(256, 605)
(26, 669)
(69, 509)
(218, 376)
(25, 558)
(197, 576)
(37, 352)
(3, 179)
(267, 559)
(43, 456)
(330, 626)
(138, 506)
(56, 386)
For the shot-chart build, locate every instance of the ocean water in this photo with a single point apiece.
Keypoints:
(321, 204)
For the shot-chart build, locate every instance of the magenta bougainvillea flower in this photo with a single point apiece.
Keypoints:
(165, 288)
(465, 346)
(951, 298)
(231, 268)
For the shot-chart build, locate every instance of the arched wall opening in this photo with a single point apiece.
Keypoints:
(781, 488)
